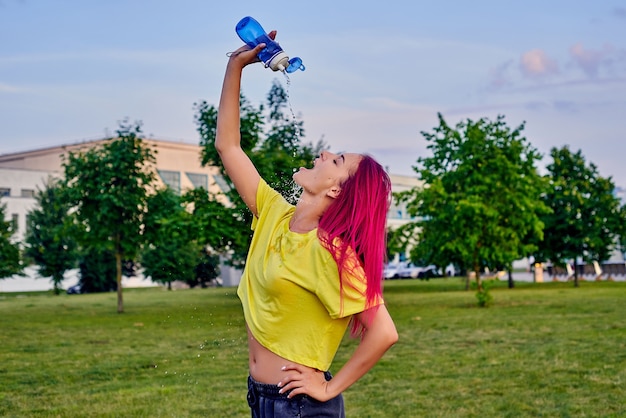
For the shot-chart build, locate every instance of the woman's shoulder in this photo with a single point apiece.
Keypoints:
(270, 198)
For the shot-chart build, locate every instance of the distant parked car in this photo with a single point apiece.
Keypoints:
(409, 271)
(75, 290)
(429, 272)
(432, 271)
(391, 270)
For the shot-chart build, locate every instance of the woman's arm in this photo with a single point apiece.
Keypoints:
(228, 137)
(379, 336)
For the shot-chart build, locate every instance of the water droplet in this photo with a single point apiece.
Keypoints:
(293, 115)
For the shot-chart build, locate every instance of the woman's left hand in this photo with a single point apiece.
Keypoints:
(302, 380)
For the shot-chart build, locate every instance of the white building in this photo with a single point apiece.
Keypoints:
(177, 164)
(17, 190)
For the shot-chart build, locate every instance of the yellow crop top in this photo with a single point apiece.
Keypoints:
(290, 289)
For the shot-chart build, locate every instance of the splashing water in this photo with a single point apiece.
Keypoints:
(294, 193)
(293, 115)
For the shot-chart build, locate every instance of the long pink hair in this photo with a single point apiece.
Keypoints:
(356, 221)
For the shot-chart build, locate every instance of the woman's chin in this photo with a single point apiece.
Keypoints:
(297, 174)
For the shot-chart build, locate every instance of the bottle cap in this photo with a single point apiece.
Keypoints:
(295, 64)
(279, 62)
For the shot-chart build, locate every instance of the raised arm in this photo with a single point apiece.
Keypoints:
(228, 138)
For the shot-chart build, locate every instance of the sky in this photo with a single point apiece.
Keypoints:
(377, 72)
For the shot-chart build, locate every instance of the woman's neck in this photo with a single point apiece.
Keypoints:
(306, 217)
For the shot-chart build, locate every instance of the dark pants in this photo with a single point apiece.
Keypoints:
(266, 402)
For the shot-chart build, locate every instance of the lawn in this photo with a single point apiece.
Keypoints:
(541, 350)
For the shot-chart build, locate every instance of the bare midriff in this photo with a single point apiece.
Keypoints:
(265, 366)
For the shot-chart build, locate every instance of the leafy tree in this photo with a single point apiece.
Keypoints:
(480, 204)
(219, 228)
(275, 152)
(108, 186)
(97, 270)
(172, 252)
(207, 270)
(622, 230)
(10, 260)
(49, 241)
(586, 219)
(281, 152)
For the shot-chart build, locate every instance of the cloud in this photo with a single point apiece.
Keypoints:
(620, 12)
(500, 75)
(536, 70)
(7, 88)
(589, 60)
(536, 64)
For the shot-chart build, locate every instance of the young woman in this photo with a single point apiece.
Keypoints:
(311, 269)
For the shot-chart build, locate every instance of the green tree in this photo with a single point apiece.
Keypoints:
(281, 152)
(276, 152)
(622, 231)
(108, 187)
(207, 269)
(97, 270)
(480, 205)
(586, 218)
(10, 260)
(171, 251)
(219, 227)
(49, 241)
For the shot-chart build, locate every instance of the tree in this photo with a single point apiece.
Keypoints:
(479, 206)
(108, 187)
(219, 228)
(275, 154)
(586, 219)
(97, 270)
(10, 260)
(171, 251)
(622, 230)
(207, 269)
(281, 152)
(49, 240)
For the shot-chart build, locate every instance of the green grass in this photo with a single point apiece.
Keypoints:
(542, 350)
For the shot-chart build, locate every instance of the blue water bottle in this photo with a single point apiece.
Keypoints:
(273, 56)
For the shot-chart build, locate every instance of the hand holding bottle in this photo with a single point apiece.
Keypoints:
(247, 55)
(271, 54)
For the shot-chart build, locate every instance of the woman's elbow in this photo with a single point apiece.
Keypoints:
(387, 335)
(391, 336)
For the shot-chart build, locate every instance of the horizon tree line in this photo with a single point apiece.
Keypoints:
(484, 204)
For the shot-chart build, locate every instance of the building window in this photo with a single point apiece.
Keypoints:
(29, 220)
(5, 192)
(28, 193)
(198, 180)
(221, 183)
(171, 179)
(14, 221)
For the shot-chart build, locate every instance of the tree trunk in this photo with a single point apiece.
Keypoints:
(511, 282)
(479, 285)
(56, 280)
(575, 274)
(118, 275)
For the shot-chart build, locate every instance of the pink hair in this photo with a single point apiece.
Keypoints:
(355, 222)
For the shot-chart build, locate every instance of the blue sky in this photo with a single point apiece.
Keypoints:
(377, 71)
